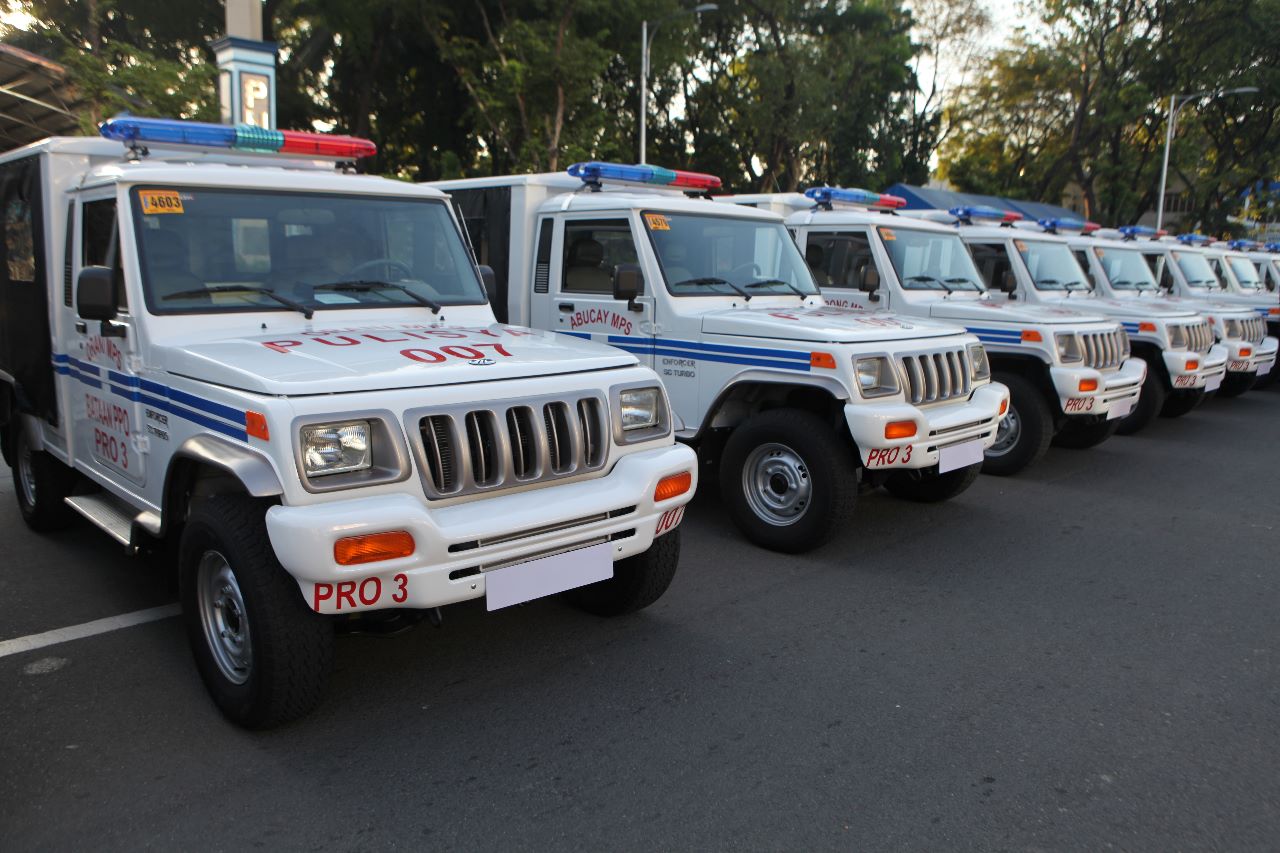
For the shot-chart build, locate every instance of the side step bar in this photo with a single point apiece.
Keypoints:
(114, 516)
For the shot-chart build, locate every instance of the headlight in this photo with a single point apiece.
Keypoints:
(1068, 347)
(979, 365)
(640, 408)
(336, 448)
(1177, 337)
(1233, 329)
(875, 376)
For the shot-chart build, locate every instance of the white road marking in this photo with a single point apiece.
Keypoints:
(31, 642)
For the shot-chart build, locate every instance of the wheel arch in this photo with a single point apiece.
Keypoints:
(756, 392)
(207, 464)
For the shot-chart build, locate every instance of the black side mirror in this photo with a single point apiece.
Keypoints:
(96, 296)
(1009, 281)
(490, 281)
(869, 281)
(628, 283)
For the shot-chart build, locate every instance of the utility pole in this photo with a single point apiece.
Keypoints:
(246, 67)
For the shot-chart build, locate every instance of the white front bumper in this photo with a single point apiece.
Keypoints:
(1110, 389)
(1260, 358)
(937, 426)
(1210, 365)
(483, 534)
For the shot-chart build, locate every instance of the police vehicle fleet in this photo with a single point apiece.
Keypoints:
(212, 337)
(795, 400)
(1069, 372)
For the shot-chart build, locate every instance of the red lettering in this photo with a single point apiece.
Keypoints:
(350, 342)
(402, 588)
(461, 352)
(498, 348)
(320, 592)
(346, 590)
(281, 346)
(367, 600)
(424, 355)
(385, 341)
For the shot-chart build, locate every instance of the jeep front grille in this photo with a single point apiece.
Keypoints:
(1102, 350)
(1254, 329)
(1199, 337)
(935, 377)
(469, 449)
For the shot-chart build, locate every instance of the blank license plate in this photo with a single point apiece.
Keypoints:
(959, 455)
(547, 576)
(1265, 369)
(1120, 409)
(1212, 384)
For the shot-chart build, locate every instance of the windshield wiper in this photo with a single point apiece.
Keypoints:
(948, 288)
(767, 281)
(710, 279)
(365, 286)
(244, 288)
(963, 280)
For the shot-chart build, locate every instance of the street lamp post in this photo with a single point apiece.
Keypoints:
(1176, 103)
(646, 36)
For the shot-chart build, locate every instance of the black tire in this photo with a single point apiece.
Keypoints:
(1181, 402)
(1151, 402)
(1269, 380)
(1033, 423)
(637, 581)
(816, 466)
(40, 484)
(290, 647)
(1081, 436)
(933, 488)
(1235, 384)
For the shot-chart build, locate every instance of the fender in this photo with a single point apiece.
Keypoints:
(252, 468)
(827, 384)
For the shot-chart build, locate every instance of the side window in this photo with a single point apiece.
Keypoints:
(592, 248)
(1082, 257)
(992, 260)
(839, 259)
(99, 239)
(19, 239)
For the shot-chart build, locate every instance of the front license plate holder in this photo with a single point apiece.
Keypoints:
(1264, 369)
(1119, 409)
(959, 455)
(1212, 384)
(547, 576)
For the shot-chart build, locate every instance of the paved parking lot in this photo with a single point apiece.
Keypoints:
(1080, 658)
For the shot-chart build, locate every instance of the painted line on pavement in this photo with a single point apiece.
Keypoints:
(31, 642)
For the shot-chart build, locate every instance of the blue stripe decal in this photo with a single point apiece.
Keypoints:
(641, 347)
(725, 349)
(586, 336)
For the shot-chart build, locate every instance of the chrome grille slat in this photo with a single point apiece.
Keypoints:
(1102, 350)
(936, 376)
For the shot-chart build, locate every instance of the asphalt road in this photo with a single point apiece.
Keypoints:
(1084, 657)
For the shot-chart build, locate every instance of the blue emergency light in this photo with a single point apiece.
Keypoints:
(1272, 247)
(134, 131)
(594, 172)
(968, 213)
(1133, 232)
(1193, 238)
(824, 196)
(1241, 245)
(1053, 226)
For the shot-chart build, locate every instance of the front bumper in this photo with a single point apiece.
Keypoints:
(455, 545)
(1113, 392)
(1260, 358)
(937, 427)
(1207, 375)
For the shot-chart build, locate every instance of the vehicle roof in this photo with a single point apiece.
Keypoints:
(1096, 240)
(845, 214)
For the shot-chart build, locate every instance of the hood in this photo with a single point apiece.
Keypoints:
(1211, 306)
(970, 311)
(381, 357)
(1141, 307)
(827, 324)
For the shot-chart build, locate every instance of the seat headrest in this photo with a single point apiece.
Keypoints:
(586, 252)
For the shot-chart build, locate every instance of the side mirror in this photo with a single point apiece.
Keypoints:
(96, 297)
(628, 283)
(869, 281)
(1009, 281)
(490, 281)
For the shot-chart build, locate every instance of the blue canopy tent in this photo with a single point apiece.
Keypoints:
(923, 198)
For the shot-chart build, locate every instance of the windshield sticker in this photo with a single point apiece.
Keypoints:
(657, 222)
(1099, 252)
(1022, 246)
(160, 201)
(886, 234)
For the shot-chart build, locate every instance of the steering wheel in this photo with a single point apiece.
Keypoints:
(751, 266)
(358, 270)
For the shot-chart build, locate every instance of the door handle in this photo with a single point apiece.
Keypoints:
(566, 306)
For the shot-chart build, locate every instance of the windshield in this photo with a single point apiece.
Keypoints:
(930, 260)
(1195, 268)
(1052, 266)
(214, 250)
(1246, 273)
(707, 255)
(1126, 269)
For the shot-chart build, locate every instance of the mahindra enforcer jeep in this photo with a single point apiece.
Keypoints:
(294, 376)
(793, 399)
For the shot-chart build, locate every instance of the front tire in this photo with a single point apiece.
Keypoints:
(637, 581)
(1024, 432)
(263, 654)
(40, 483)
(1078, 436)
(788, 480)
(1236, 384)
(934, 488)
(1179, 404)
(1151, 402)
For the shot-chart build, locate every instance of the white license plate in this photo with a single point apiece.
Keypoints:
(1120, 409)
(1265, 369)
(547, 576)
(1212, 384)
(959, 455)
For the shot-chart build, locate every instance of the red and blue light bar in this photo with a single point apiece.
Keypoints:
(132, 130)
(1053, 226)
(824, 196)
(1272, 247)
(1090, 227)
(595, 172)
(969, 212)
(1241, 245)
(1193, 238)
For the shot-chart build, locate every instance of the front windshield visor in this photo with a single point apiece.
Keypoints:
(930, 260)
(708, 255)
(206, 250)
(1195, 268)
(1126, 269)
(1052, 266)
(1246, 273)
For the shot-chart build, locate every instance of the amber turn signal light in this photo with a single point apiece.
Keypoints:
(1031, 335)
(255, 424)
(1193, 365)
(1088, 385)
(1245, 352)
(673, 486)
(900, 429)
(1146, 327)
(1004, 406)
(372, 547)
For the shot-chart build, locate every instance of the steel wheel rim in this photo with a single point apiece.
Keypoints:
(777, 485)
(27, 472)
(224, 617)
(1007, 433)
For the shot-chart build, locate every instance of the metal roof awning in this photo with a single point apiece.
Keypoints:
(925, 198)
(36, 98)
